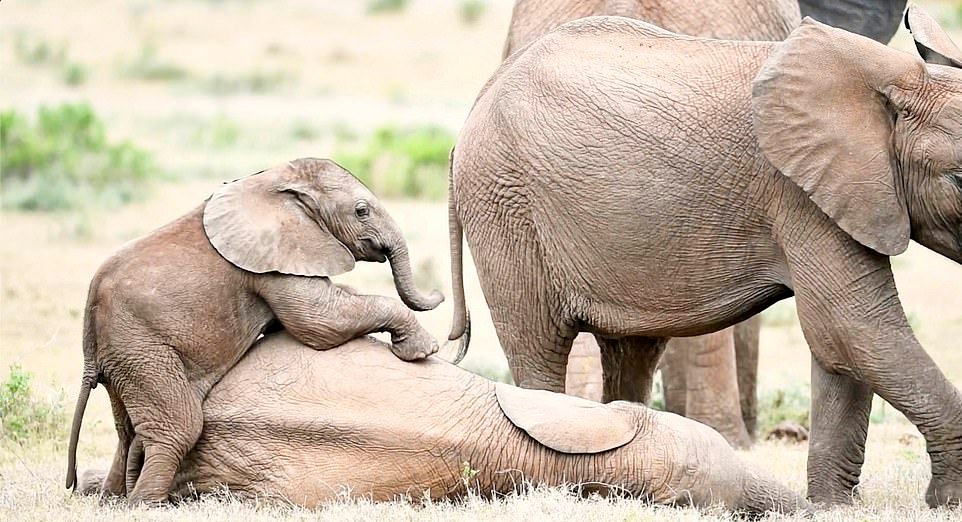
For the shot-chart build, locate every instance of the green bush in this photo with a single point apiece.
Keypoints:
(25, 417)
(470, 11)
(148, 66)
(64, 161)
(74, 74)
(34, 51)
(786, 404)
(258, 82)
(386, 6)
(396, 162)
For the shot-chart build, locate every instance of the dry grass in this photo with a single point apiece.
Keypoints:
(343, 70)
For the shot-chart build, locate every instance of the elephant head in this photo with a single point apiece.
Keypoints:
(308, 217)
(873, 135)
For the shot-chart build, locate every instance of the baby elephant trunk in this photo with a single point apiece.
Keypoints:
(761, 493)
(397, 255)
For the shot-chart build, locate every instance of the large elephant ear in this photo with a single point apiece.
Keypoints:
(565, 423)
(876, 19)
(931, 40)
(265, 223)
(824, 118)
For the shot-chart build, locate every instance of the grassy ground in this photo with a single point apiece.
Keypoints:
(219, 89)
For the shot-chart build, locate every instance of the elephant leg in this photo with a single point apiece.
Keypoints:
(840, 415)
(674, 373)
(747, 335)
(853, 321)
(135, 461)
(166, 413)
(711, 380)
(114, 484)
(628, 366)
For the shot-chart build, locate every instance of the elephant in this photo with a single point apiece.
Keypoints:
(310, 426)
(170, 313)
(619, 179)
(710, 378)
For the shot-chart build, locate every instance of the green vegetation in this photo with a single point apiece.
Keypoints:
(34, 51)
(386, 6)
(393, 162)
(220, 133)
(470, 11)
(258, 82)
(25, 417)
(63, 160)
(148, 66)
(787, 404)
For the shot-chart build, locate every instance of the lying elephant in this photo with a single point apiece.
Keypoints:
(711, 378)
(171, 312)
(309, 426)
(619, 179)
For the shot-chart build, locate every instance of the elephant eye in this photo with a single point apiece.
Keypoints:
(361, 210)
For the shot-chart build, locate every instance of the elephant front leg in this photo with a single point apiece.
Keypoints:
(840, 415)
(323, 315)
(628, 366)
(855, 326)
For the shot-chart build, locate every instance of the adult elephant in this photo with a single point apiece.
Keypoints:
(619, 179)
(710, 378)
(309, 426)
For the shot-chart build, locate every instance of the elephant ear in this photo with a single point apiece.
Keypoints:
(565, 423)
(265, 223)
(875, 19)
(931, 40)
(824, 118)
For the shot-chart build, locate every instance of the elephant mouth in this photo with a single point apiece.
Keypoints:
(373, 252)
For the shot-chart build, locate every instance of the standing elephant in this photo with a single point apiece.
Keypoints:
(170, 313)
(710, 378)
(622, 180)
(307, 427)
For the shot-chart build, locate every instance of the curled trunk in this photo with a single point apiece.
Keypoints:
(404, 280)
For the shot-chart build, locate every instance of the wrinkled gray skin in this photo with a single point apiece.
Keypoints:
(305, 426)
(169, 314)
(709, 378)
(721, 194)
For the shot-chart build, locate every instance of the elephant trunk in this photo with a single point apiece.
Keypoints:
(397, 255)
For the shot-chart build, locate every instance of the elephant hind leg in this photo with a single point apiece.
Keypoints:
(747, 335)
(166, 413)
(628, 366)
(114, 483)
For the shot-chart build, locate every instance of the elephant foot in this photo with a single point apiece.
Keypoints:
(416, 346)
(944, 493)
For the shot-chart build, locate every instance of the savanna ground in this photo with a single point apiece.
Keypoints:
(207, 91)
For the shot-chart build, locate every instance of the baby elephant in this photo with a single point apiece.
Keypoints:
(170, 313)
(307, 427)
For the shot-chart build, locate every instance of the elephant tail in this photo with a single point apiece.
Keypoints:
(461, 324)
(88, 382)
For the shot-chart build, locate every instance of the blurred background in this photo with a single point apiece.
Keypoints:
(120, 115)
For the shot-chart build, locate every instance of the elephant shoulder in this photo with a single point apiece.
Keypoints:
(565, 423)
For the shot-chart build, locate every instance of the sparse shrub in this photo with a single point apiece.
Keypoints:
(258, 82)
(784, 404)
(386, 6)
(396, 162)
(470, 11)
(220, 133)
(26, 417)
(63, 160)
(74, 74)
(34, 51)
(303, 131)
(148, 66)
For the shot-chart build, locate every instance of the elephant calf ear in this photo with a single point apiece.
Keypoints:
(565, 423)
(821, 117)
(931, 40)
(260, 226)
